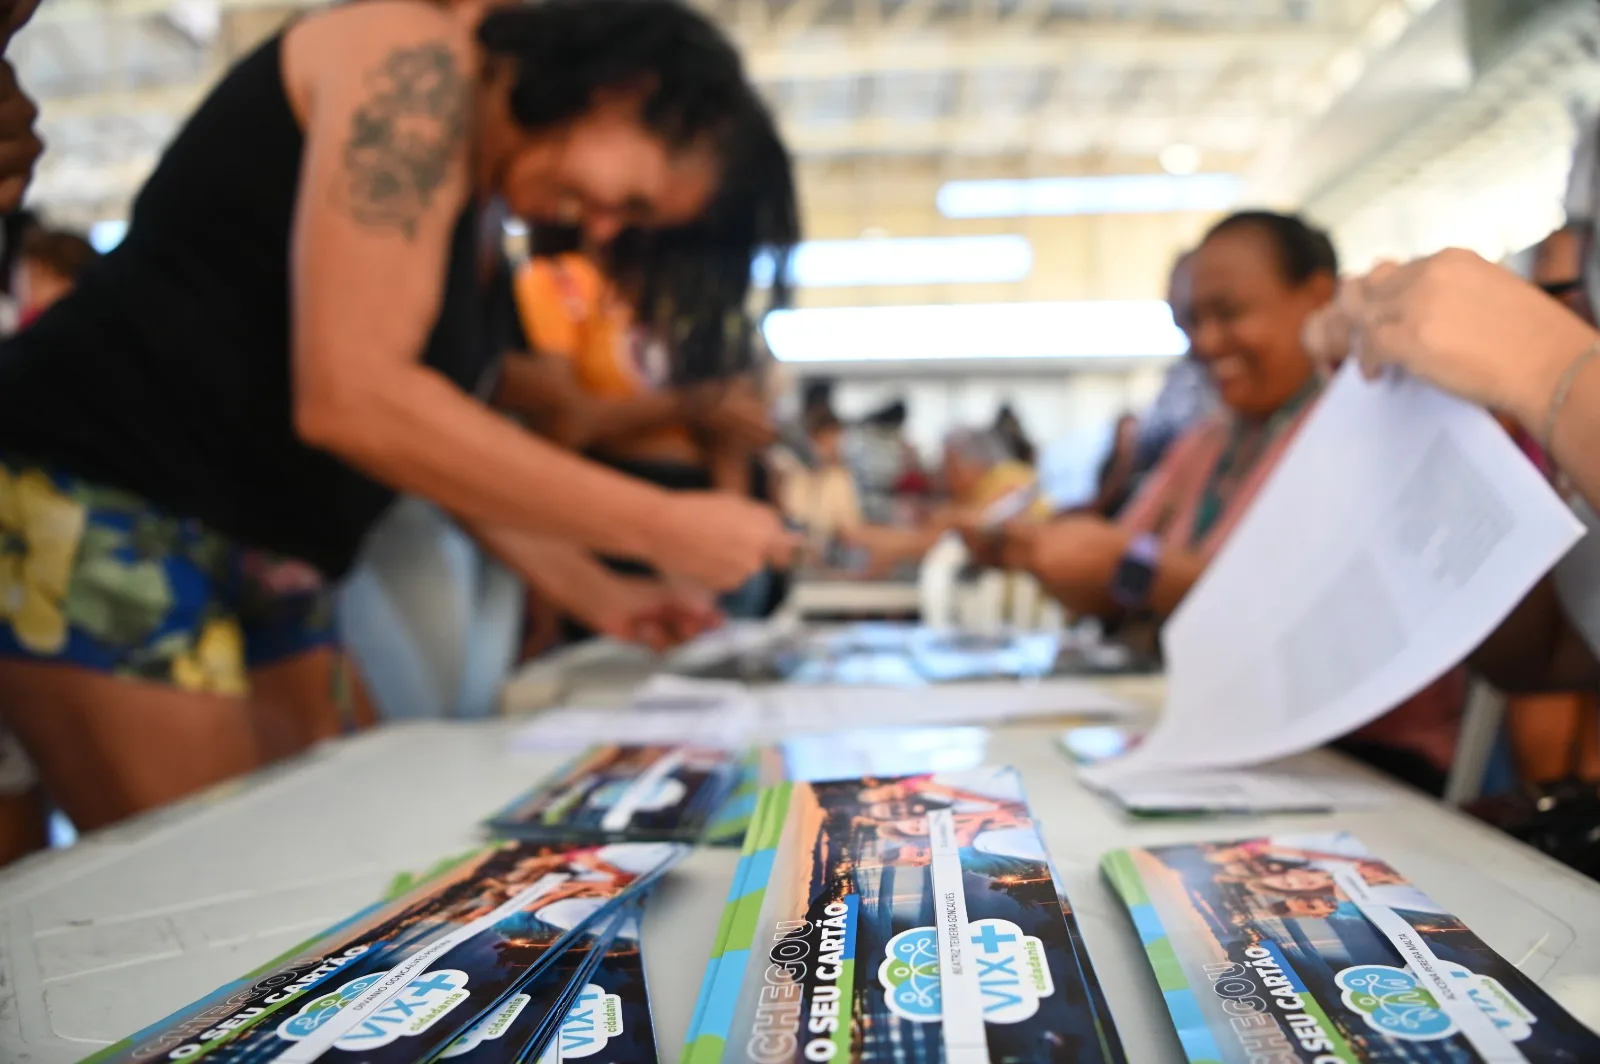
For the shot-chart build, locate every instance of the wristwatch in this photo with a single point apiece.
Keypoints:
(1135, 577)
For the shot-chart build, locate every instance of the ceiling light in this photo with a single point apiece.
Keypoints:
(199, 20)
(1346, 68)
(1180, 159)
(1090, 329)
(926, 260)
(1116, 194)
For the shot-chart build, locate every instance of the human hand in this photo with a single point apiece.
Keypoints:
(734, 411)
(1073, 552)
(985, 543)
(719, 539)
(1007, 546)
(1459, 322)
(14, 14)
(649, 612)
(19, 145)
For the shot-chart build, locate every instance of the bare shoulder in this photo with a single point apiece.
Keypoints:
(383, 90)
(350, 43)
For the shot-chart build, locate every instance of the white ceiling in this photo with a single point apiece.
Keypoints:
(1295, 94)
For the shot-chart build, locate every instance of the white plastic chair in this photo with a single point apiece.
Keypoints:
(1481, 719)
(937, 581)
(992, 603)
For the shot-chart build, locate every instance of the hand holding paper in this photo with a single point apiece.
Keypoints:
(1401, 526)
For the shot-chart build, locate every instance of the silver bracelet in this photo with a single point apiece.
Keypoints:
(1558, 398)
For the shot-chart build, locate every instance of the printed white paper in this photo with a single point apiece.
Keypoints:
(1400, 528)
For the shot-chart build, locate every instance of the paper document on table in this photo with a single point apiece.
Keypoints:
(1241, 791)
(676, 693)
(791, 710)
(576, 728)
(1399, 529)
(666, 709)
(733, 640)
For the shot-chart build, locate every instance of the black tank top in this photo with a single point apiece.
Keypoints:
(167, 371)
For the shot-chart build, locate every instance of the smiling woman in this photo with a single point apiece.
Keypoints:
(1257, 279)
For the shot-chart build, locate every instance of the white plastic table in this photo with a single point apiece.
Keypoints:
(104, 938)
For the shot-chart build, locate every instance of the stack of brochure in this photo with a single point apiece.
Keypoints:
(881, 654)
(843, 755)
(911, 918)
(616, 791)
(1307, 948)
(514, 950)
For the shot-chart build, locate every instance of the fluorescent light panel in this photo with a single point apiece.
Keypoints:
(1065, 330)
(919, 260)
(1118, 194)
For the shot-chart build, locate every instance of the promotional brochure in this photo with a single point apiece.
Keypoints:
(609, 1022)
(424, 991)
(1309, 949)
(761, 767)
(526, 1021)
(880, 654)
(904, 919)
(414, 972)
(612, 793)
(843, 755)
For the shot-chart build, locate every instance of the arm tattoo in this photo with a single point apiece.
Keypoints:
(404, 137)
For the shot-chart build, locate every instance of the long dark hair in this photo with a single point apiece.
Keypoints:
(691, 284)
(568, 51)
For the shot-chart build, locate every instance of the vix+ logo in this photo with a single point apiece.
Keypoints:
(1013, 974)
(420, 1004)
(1393, 1002)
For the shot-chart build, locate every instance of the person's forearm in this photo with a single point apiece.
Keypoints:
(1552, 388)
(619, 420)
(561, 570)
(531, 387)
(892, 546)
(730, 469)
(558, 409)
(1575, 443)
(1176, 574)
(418, 433)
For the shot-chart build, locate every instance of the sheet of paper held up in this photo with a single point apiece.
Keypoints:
(1399, 529)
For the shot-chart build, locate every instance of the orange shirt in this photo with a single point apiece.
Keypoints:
(570, 310)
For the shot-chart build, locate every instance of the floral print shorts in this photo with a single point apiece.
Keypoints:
(100, 578)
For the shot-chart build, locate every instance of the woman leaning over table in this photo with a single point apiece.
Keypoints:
(292, 333)
(1258, 277)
